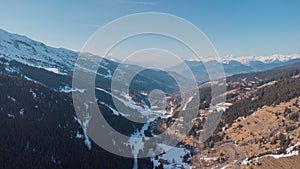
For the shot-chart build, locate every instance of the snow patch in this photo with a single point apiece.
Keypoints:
(290, 152)
(33, 93)
(84, 125)
(22, 111)
(54, 70)
(209, 159)
(136, 143)
(11, 69)
(185, 105)
(11, 98)
(174, 156)
(68, 89)
(11, 116)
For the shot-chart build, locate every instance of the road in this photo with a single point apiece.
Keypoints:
(232, 159)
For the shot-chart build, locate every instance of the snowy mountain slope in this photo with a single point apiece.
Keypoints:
(37, 54)
(24, 56)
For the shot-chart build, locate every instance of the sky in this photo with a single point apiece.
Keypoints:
(235, 27)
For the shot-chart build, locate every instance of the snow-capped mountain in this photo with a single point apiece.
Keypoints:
(235, 65)
(246, 60)
(33, 53)
(26, 57)
(263, 59)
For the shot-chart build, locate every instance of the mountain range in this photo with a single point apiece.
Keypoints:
(40, 128)
(14, 47)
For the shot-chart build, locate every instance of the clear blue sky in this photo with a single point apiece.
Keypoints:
(238, 27)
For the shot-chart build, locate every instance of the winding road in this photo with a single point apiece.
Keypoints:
(232, 157)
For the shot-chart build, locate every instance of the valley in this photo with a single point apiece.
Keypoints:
(257, 125)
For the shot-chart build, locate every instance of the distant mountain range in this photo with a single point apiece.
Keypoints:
(248, 59)
(235, 65)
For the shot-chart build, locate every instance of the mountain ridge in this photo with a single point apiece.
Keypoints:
(60, 60)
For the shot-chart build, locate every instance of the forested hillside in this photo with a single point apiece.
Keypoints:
(39, 130)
